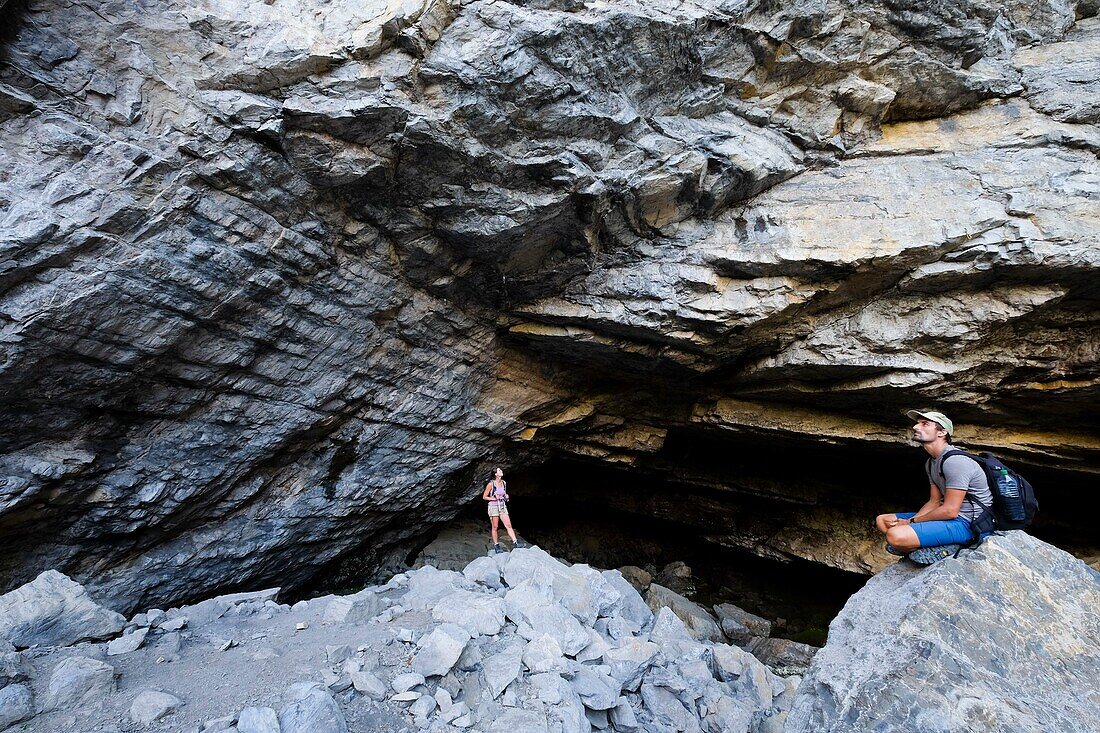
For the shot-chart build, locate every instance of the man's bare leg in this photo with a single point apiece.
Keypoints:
(884, 522)
(902, 537)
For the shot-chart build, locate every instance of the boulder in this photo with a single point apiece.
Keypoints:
(478, 613)
(676, 576)
(1005, 638)
(789, 657)
(503, 667)
(311, 709)
(127, 642)
(214, 608)
(631, 605)
(258, 720)
(368, 684)
(438, 653)
(357, 608)
(637, 577)
(739, 625)
(16, 705)
(13, 668)
(79, 680)
(151, 705)
(483, 570)
(700, 623)
(53, 610)
(534, 615)
(567, 585)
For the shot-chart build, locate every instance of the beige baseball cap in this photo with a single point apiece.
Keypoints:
(937, 417)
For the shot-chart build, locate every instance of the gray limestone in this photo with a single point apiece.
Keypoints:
(53, 610)
(1012, 623)
(698, 621)
(152, 705)
(77, 681)
(311, 709)
(16, 705)
(437, 654)
(258, 720)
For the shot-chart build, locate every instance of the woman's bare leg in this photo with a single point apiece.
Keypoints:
(494, 521)
(508, 526)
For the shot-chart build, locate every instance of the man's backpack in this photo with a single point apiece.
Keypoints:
(1014, 503)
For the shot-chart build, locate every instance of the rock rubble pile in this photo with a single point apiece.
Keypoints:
(514, 642)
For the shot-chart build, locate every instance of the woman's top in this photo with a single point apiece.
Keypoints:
(498, 492)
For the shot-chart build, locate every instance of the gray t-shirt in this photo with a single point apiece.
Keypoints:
(960, 472)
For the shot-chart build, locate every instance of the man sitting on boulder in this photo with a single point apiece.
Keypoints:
(956, 485)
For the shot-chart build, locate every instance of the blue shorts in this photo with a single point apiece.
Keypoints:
(941, 532)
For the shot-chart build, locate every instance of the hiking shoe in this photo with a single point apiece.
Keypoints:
(520, 544)
(929, 555)
(894, 551)
(497, 549)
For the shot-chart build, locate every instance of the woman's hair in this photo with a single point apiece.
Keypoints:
(498, 468)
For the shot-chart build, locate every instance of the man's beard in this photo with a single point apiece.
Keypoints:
(918, 439)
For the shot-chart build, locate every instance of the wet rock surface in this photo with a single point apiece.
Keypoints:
(274, 279)
(1005, 638)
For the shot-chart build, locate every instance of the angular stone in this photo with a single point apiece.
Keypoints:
(631, 606)
(258, 720)
(52, 610)
(407, 681)
(623, 718)
(535, 616)
(79, 680)
(637, 577)
(791, 657)
(311, 709)
(13, 668)
(502, 668)
(597, 692)
(629, 662)
(214, 608)
(151, 705)
(127, 642)
(438, 653)
(568, 586)
(337, 654)
(16, 705)
(368, 684)
(543, 654)
(477, 613)
(700, 623)
(427, 586)
(354, 609)
(483, 570)
(890, 644)
(739, 625)
(423, 707)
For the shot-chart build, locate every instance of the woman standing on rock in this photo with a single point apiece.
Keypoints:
(496, 493)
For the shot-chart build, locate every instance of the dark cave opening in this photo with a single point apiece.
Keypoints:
(716, 503)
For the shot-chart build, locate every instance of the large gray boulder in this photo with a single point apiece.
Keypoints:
(53, 610)
(77, 681)
(1004, 639)
(311, 709)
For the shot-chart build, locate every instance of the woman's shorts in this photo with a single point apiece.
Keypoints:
(942, 532)
(498, 509)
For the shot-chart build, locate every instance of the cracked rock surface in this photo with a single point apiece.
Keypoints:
(280, 281)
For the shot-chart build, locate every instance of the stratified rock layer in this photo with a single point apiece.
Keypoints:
(278, 283)
(1005, 638)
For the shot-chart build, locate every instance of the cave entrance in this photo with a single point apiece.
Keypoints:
(564, 507)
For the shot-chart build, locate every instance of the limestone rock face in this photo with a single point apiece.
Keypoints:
(1005, 638)
(274, 277)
